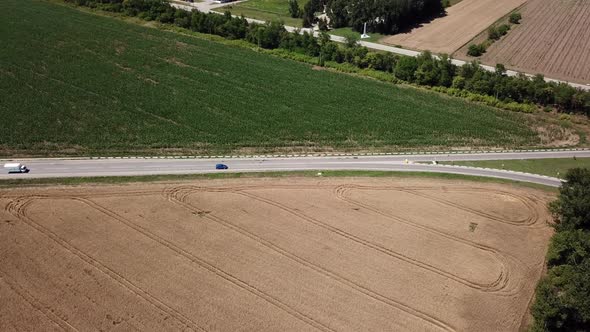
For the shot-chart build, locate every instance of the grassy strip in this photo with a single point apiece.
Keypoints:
(347, 31)
(550, 167)
(260, 14)
(251, 175)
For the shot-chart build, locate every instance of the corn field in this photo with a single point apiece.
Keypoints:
(77, 83)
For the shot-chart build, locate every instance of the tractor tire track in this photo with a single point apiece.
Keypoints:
(35, 303)
(532, 218)
(493, 287)
(533, 215)
(178, 195)
(498, 286)
(18, 209)
(342, 191)
(206, 265)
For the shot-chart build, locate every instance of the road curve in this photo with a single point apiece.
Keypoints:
(60, 168)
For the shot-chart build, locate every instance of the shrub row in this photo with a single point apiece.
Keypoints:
(494, 33)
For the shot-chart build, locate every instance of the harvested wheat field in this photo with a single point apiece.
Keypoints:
(553, 39)
(294, 254)
(462, 23)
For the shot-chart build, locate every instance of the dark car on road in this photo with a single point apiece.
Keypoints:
(221, 166)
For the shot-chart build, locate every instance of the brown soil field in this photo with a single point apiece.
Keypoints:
(553, 39)
(293, 254)
(462, 23)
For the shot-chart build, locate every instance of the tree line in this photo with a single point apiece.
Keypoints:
(383, 16)
(562, 301)
(467, 81)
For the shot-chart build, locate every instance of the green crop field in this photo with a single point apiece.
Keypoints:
(75, 83)
(266, 10)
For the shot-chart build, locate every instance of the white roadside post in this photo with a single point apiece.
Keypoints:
(364, 35)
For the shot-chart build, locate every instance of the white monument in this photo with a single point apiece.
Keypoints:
(364, 35)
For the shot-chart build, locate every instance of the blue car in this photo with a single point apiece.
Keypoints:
(221, 166)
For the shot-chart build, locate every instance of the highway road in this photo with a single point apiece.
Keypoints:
(52, 168)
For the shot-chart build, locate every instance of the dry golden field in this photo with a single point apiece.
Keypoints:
(553, 39)
(295, 254)
(462, 23)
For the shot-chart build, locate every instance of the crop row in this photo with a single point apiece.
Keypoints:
(78, 82)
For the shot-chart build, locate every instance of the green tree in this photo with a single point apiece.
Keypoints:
(405, 68)
(569, 247)
(427, 72)
(294, 10)
(571, 210)
(563, 299)
(446, 71)
(458, 82)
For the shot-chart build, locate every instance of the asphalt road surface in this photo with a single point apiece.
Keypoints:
(52, 168)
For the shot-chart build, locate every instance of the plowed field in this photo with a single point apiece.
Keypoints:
(271, 255)
(462, 23)
(553, 39)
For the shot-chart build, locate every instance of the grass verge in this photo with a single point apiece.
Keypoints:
(346, 31)
(265, 10)
(187, 177)
(550, 167)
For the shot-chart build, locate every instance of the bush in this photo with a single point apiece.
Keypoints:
(515, 18)
(503, 29)
(476, 50)
(494, 33)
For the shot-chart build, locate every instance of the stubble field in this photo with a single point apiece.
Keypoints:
(462, 23)
(292, 254)
(553, 39)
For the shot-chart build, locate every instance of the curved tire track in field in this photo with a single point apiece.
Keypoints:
(497, 287)
(204, 264)
(178, 195)
(35, 303)
(18, 208)
(531, 219)
(342, 193)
